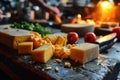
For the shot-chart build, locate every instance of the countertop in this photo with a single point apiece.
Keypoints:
(106, 67)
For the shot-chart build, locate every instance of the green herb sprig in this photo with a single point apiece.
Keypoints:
(32, 27)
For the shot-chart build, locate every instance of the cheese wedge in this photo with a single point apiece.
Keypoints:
(25, 47)
(43, 53)
(12, 37)
(84, 53)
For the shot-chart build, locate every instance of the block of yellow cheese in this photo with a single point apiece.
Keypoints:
(43, 53)
(84, 52)
(12, 37)
(25, 47)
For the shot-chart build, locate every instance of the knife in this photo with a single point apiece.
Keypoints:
(106, 41)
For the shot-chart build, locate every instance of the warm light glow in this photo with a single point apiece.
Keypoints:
(106, 4)
(79, 16)
(105, 11)
(9, 15)
(78, 20)
(119, 4)
(89, 21)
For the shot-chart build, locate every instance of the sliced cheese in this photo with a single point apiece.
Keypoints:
(12, 37)
(25, 47)
(84, 53)
(43, 53)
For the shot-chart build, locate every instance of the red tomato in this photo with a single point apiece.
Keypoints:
(72, 37)
(90, 37)
(117, 30)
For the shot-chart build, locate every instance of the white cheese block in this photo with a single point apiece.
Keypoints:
(84, 53)
(12, 37)
(43, 53)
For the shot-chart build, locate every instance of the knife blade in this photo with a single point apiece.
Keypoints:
(106, 41)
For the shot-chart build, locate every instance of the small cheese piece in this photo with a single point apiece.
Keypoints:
(84, 53)
(25, 47)
(51, 37)
(60, 41)
(43, 53)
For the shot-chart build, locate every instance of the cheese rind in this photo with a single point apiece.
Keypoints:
(25, 48)
(43, 53)
(84, 53)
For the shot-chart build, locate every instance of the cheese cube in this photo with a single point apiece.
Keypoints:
(43, 53)
(60, 41)
(84, 53)
(25, 47)
(51, 37)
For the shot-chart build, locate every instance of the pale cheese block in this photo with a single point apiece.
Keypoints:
(12, 37)
(25, 47)
(43, 53)
(84, 52)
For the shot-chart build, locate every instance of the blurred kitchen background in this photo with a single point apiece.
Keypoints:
(19, 10)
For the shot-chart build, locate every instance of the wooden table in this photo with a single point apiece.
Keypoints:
(17, 67)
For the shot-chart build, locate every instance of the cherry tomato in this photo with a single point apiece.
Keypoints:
(72, 37)
(117, 30)
(90, 37)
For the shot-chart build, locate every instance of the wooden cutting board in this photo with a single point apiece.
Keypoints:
(81, 29)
